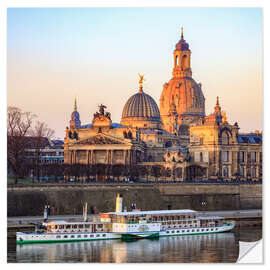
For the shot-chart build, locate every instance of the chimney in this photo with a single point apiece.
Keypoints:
(119, 203)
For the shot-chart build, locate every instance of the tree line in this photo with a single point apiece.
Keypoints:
(24, 133)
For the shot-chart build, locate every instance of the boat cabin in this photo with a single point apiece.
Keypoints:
(76, 227)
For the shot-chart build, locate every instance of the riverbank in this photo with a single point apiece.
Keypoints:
(68, 199)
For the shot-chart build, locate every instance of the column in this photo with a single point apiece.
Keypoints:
(130, 157)
(125, 152)
(107, 152)
(111, 157)
(74, 157)
(87, 157)
(91, 158)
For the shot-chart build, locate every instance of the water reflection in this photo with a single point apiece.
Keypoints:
(193, 248)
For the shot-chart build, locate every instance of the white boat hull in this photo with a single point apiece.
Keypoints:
(29, 238)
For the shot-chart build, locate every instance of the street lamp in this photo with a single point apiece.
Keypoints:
(204, 206)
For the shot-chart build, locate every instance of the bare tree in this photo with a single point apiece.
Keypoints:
(41, 133)
(18, 127)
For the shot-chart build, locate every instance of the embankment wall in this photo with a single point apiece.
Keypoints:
(69, 199)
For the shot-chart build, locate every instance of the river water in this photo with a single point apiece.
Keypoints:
(208, 248)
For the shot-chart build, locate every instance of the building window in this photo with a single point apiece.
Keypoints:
(242, 171)
(225, 171)
(260, 157)
(253, 157)
(201, 140)
(225, 156)
(201, 157)
(253, 172)
(241, 156)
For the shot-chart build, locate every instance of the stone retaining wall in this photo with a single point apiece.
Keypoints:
(69, 199)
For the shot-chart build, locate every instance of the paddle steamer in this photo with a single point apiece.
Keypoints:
(127, 225)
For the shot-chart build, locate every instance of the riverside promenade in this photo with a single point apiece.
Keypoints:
(238, 214)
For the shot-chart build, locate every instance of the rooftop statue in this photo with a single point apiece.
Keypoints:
(224, 117)
(141, 80)
(101, 109)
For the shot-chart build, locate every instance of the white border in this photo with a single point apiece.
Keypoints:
(150, 3)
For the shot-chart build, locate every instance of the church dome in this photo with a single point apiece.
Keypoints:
(141, 110)
(182, 45)
(141, 105)
(182, 97)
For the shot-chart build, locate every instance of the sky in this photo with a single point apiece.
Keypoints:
(95, 55)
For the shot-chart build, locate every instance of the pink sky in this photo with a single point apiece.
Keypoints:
(95, 55)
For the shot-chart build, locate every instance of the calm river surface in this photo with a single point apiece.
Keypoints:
(222, 247)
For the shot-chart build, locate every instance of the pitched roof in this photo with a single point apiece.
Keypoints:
(250, 138)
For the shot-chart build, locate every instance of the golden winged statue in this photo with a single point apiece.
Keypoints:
(141, 79)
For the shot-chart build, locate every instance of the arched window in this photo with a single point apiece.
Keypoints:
(224, 138)
(176, 60)
(184, 63)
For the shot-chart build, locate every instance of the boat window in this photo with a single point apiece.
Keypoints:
(65, 236)
(207, 229)
(74, 226)
(78, 236)
(202, 230)
(72, 236)
(187, 230)
(61, 226)
(177, 231)
(193, 230)
(167, 232)
(97, 235)
(68, 227)
(198, 230)
(56, 227)
(103, 234)
(87, 225)
(91, 235)
(211, 229)
(183, 231)
(81, 226)
(172, 231)
(85, 236)
(58, 236)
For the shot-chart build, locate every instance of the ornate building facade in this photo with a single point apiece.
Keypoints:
(182, 101)
(177, 136)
